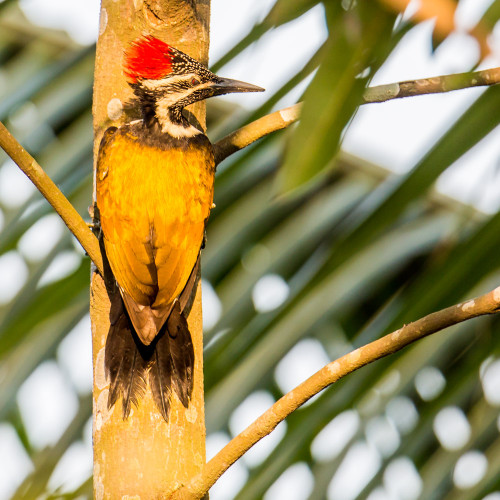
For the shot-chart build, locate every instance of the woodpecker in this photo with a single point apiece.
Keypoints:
(154, 192)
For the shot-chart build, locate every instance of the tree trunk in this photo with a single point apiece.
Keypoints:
(143, 457)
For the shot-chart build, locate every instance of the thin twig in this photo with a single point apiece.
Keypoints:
(244, 136)
(281, 119)
(53, 195)
(433, 85)
(488, 303)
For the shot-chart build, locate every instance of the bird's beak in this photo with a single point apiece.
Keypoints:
(227, 86)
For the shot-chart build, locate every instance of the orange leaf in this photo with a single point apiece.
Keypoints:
(443, 11)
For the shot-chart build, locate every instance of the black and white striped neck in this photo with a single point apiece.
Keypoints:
(172, 122)
(161, 112)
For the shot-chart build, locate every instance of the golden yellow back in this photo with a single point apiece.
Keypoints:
(153, 203)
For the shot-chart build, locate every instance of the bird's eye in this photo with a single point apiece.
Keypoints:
(195, 81)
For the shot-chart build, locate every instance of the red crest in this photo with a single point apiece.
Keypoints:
(147, 58)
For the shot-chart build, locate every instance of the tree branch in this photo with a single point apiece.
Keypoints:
(433, 85)
(280, 119)
(244, 136)
(488, 303)
(53, 195)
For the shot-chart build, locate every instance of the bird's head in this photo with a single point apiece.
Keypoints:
(167, 80)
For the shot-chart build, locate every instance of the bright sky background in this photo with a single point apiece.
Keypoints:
(391, 134)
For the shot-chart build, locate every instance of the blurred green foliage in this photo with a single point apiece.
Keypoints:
(362, 250)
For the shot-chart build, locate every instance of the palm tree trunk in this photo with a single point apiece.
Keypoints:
(143, 457)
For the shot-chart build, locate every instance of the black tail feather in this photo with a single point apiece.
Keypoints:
(167, 363)
(136, 386)
(160, 375)
(125, 367)
(182, 354)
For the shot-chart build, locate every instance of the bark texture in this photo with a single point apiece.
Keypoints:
(143, 457)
